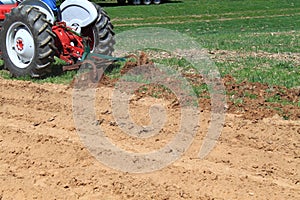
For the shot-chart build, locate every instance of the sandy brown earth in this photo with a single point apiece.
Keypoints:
(42, 156)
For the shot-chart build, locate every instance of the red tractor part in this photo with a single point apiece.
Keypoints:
(71, 44)
(6, 8)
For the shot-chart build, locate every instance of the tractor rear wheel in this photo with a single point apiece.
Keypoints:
(27, 42)
(101, 33)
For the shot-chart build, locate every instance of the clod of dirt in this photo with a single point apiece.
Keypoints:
(142, 59)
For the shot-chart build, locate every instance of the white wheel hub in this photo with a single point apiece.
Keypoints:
(156, 1)
(147, 2)
(20, 45)
(136, 2)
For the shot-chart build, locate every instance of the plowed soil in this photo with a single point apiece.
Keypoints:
(42, 156)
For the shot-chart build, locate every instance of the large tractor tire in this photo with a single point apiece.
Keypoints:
(101, 33)
(27, 42)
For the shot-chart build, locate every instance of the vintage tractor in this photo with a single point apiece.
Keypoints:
(34, 32)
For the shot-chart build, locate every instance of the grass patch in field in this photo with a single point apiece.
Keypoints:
(114, 70)
(277, 99)
(196, 7)
(179, 64)
(201, 90)
(250, 95)
(268, 41)
(62, 78)
(236, 101)
(5, 74)
(285, 115)
(135, 78)
(174, 62)
(225, 24)
(57, 76)
(258, 35)
(252, 69)
(262, 70)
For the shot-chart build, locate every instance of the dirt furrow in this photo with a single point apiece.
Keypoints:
(42, 156)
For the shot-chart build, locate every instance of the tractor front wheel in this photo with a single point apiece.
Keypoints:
(101, 33)
(27, 42)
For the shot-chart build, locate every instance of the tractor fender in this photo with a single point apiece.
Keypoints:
(5, 2)
(78, 12)
(43, 7)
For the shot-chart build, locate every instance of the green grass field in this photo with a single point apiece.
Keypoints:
(240, 28)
